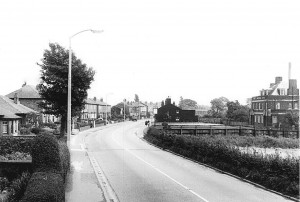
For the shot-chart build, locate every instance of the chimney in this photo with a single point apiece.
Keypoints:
(95, 99)
(290, 70)
(168, 101)
(278, 79)
(293, 90)
(16, 99)
(101, 99)
(271, 85)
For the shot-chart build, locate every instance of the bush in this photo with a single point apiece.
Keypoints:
(18, 186)
(271, 171)
(11, 144)
(64, 154)
(36, 130)
(45, 154)
(25, 131)
(45, 186)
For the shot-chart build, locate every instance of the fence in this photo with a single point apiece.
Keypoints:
(215, 129)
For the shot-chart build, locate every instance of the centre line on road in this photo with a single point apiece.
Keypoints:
(161, 172)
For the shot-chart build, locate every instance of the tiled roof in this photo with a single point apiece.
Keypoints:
(8, 106)
(5, 114)
(26, 91)
(97, 102)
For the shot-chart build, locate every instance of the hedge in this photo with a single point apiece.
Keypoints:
(11, 144)
(271, 171)
(45, 186)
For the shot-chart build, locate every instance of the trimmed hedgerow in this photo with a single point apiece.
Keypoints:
(45, 154)
(11, 144)
(271, 171)
(64, 155)
(45, 186)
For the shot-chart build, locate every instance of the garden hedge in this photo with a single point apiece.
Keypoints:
(46, 187)
(273, 172)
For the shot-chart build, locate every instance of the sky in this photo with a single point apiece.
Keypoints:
(199, 50)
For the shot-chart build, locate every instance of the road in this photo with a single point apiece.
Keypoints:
(140, 172)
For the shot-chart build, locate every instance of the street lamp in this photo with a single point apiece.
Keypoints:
(106, 106)
(69, 130)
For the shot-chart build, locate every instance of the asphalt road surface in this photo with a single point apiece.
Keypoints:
(140, 172)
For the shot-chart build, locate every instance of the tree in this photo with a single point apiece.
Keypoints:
(218, 107)
(136, 98)
(291, 119)
(53, 86)
(237, 112)
(188, 104)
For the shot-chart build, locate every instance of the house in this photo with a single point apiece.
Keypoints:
(138, 109)
(171, 113)
(12, 115)
(29, 96)
(95, 109)
(270, 107)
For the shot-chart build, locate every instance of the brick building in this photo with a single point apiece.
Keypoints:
(30, 97)
(95, 109)
(12, 115)
(171, 113)
(271, 106)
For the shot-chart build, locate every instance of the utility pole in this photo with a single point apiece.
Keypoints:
(124, 109)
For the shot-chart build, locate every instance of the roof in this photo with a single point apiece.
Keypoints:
(95, 102)
(26, 91)
(137, 104)
(8, 106)
(281, 85)
(7, 114)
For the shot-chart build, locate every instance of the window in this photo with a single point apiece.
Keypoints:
(258, 119)
(177, 111)
(274, 119)
(4, 127)
(296, 106)
(277, 106)
(255, 119)
(290, 105)
(262, 119)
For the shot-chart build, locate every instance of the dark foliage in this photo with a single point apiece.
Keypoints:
(11, 144)
(279, 174)
(54, 82)
(45, 154)
(46, 187)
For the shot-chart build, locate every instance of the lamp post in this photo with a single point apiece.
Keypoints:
(124, 109)
(69, 129)
(106, 106)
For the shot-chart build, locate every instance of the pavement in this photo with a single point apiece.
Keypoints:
(82, 183)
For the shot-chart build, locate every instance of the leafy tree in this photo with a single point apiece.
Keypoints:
(53, 86)
(218, 107)
(136, 98)
(237, 112)
(291, 119)
(188, 104)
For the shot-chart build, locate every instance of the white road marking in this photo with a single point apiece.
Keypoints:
(161, 172)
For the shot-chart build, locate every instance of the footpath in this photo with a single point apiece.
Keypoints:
(82, 183)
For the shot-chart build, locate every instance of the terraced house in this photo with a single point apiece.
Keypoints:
(95, 109)
(269, 109)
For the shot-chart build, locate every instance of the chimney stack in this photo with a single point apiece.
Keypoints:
(278, 79)
(168, 101)
(16, 99)
(290, 70)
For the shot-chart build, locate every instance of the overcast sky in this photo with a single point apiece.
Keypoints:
(196, 49)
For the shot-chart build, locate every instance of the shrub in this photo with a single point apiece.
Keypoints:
(45, 186)
(64, 154)
(271, 171)
(18, 186)
(10, 144)
(45, 154)
(25, 131)
(36, 130)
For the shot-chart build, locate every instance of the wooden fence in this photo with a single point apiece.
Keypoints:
(193, 129)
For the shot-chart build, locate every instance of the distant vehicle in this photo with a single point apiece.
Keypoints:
(133, 118)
